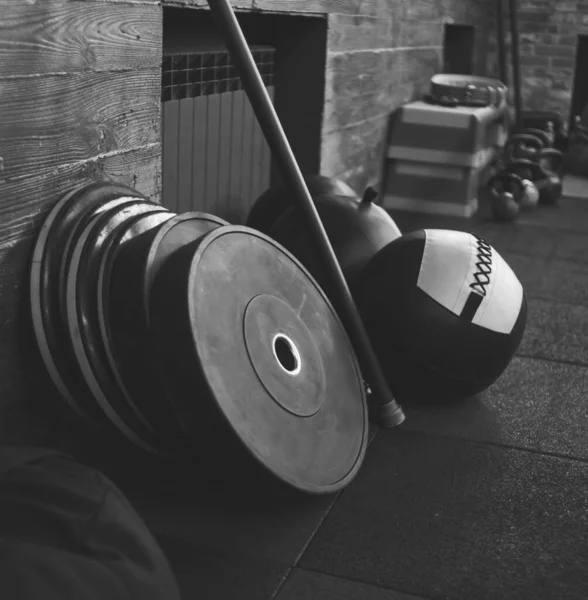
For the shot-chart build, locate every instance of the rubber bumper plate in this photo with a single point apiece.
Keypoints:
(257, 359)
(95, 245)
(47, 285)
(125, 318)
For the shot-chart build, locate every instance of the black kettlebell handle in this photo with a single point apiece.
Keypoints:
(506, 181)
(555, 160)
(540, 134)
(525, 138)
(537, 172)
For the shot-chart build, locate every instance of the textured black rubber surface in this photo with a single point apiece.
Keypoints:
(449, 518)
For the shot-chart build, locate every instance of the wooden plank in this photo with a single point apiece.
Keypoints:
(171, 130)
(53, 120)
(237, 159)
(348, 7)
(63, 37)
(185, 149)
(26, 201)
(212, 150)
(241, 4)
(223, 204)
(249, 121)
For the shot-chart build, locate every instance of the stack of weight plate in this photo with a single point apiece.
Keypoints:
(194, 337)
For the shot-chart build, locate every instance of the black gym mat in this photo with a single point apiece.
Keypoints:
(559, 280)
(499, 416)
(556, 331)
(447, 518)
(530, 406)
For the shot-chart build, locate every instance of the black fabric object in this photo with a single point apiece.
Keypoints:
(67, 532)
(428, 353)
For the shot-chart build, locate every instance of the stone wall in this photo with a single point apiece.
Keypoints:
(548, 35)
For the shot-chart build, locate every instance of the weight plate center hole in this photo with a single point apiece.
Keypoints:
(287, 354)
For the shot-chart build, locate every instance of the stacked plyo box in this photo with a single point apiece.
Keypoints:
(437, 157)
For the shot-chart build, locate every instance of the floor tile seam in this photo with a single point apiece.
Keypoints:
(282, 583)
(546, 453)
(366, 582)
(559, 361)
(329, 509)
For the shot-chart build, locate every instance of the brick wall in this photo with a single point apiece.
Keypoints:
(548, 33)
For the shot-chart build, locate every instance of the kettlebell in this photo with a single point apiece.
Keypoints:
(547, 183)
(522, 145)
(506, 191)
(544, 136)
(552, 160)
(530, 198)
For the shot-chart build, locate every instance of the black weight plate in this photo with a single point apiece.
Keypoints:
(126, 311)
(86, 214)
(81, 302)
(48, 321)
(223, 310)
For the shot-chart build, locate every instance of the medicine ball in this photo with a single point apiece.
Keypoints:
(445, 314)
(357, 231)
(273, 202)
(67, 532)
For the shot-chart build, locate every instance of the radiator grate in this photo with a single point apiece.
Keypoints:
(215, 157)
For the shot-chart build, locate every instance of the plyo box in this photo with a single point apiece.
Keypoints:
(437, 157)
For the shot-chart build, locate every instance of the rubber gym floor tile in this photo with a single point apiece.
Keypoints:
(216, 575)
(513, 411)
(272, 526)
(447, 518)
(511, 237)
(223, 515)
(556, 331)
(570, 215)
(307, 585)
(232, 520)
(565, 430)
(559, 280)
(572, 247)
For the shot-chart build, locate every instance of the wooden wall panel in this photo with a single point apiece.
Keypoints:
(79, 102)
(60, 119)
(64, 37)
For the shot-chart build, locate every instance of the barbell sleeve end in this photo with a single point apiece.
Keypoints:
(387, 415)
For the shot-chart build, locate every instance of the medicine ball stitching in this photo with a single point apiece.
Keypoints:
(484, 266)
